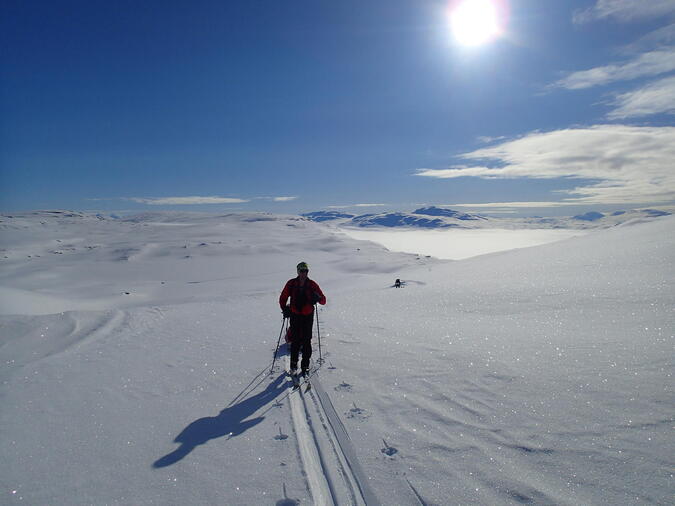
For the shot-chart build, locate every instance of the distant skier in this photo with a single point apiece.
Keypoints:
(304, 293)
(397, 283)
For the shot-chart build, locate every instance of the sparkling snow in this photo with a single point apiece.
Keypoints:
(136, 356)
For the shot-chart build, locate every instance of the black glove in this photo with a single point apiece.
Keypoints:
(315, 298)
(287, 311)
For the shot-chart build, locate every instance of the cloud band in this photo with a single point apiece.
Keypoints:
(623, 164)
(183, 201)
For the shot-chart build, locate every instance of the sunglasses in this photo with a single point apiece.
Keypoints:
(303, 270)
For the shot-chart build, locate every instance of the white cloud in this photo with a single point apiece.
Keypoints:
(177, 201)
(484, 139)
(622, 164)
(647, 64)
(518, 205)
(664, 36)
(356, 205)
(654, 98)
(284, 199)
(625, 10)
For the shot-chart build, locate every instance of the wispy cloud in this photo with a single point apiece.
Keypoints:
(624, 10)
(648, 64)
(518, 205)
(664, 36)
(655, 57)
(484, 139)
(348, 206)
(654, 98)
(621, 164)
(284, 199)
(179, 201)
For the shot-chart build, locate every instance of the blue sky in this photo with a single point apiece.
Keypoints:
(363, 106)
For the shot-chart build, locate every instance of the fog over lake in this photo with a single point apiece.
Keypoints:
(458, 244)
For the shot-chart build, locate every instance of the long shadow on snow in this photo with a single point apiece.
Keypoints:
(230, 422)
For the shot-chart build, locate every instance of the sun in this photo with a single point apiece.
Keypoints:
(475, 22)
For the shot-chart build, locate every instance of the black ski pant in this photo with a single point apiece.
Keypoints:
(301, 339)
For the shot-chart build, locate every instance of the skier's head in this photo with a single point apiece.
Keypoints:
(302, 267)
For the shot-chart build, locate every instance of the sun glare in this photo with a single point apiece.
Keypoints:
(475, 22)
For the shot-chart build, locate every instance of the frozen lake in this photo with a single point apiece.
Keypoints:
(457, 244)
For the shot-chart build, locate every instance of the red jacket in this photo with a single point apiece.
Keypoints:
(301, 296)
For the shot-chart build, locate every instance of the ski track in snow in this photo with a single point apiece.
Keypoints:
(78, 330)
(334, 475)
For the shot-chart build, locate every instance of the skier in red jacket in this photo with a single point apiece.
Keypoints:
(304, 293)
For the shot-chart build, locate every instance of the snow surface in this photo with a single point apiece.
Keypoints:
(136, 357)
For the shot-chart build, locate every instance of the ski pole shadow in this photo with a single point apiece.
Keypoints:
(282, 351)
(231, 422)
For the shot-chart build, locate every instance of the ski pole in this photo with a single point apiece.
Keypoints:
(318, 331)
(283, 320)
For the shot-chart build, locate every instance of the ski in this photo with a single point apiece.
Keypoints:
(299, 379)
(295, 379)
(306, 376)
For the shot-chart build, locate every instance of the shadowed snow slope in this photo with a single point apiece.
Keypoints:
(135, 357)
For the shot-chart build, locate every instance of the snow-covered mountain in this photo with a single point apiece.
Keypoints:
(448, 213)
(442, 218)
(320, 216)
(396, 220)
(136, 366)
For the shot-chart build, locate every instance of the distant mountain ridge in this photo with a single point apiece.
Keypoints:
(595, 216)
(443, 218)
(422, 218)
(326, 215)
(448, 213)
(590, 216)
(397, 220)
